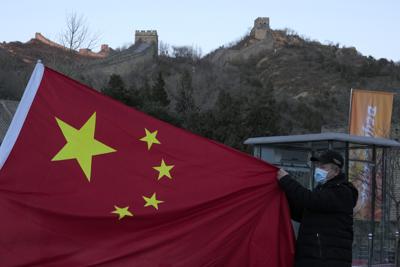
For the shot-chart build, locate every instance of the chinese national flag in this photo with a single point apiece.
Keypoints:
(87, 181)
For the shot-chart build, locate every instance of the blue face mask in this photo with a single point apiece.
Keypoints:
(320, 175)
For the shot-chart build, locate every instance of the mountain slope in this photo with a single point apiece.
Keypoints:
(309, 82)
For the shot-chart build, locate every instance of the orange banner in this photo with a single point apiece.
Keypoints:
(370, 115)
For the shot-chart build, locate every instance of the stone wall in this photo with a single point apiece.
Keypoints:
(105, 50)
(41, 38)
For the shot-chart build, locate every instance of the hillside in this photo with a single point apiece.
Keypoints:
(305, 84)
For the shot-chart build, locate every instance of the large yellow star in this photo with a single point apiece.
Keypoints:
(122, 212)
(150, 138)
(152, 201)
(163, 170)
(81, 145)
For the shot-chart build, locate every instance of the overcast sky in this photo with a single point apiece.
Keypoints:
(373, 27)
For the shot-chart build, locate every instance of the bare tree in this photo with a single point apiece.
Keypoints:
(188, 52)
(164, 49)
(76, 34)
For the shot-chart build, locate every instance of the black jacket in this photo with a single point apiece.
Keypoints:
(326, 215)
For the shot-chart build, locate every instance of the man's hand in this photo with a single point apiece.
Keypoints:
(281, 173)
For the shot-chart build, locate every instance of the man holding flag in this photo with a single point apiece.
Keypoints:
(326, 214)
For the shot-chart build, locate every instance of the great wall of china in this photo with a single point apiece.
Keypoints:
(149, 37)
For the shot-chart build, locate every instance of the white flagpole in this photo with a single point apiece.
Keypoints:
(350, 107)
(21, 112)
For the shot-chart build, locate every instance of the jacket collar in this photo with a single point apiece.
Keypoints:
(338, 179)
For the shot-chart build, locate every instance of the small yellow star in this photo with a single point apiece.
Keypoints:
(122, 212)
(81, 145)
(150, 138)
(152, 201)
(163, 170)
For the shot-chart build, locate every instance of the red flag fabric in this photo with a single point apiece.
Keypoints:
(87, 181)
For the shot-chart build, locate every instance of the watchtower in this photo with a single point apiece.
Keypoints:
(149, 37)
(261, 28)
